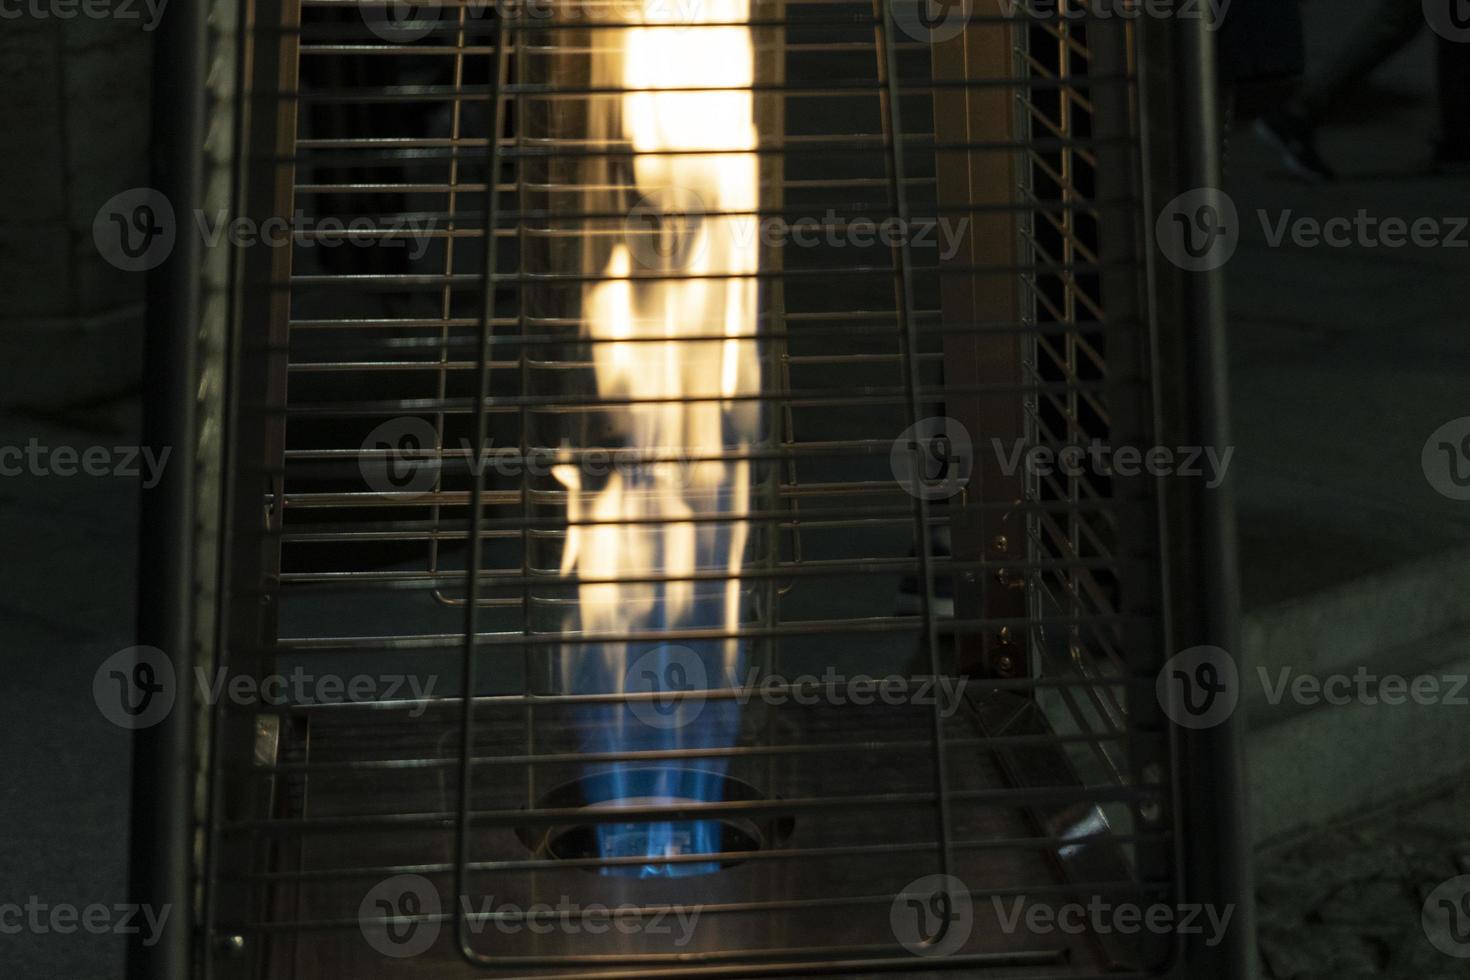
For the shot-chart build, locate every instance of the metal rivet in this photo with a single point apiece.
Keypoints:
(1149, 808)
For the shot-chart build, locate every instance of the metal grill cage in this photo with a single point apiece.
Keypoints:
(366, 535)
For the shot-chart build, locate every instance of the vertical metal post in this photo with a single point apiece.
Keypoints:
(160, 855)
(1181, 130)
(253, 506)
(499, 67)
(983, 345)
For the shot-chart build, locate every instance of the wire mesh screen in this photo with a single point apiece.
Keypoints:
(644, 410)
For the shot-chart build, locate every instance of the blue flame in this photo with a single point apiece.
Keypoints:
(669, 710)
(663, 839)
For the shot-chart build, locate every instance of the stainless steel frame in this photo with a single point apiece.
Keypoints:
(1053, 322)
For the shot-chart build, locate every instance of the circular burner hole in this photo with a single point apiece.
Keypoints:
(722, 834)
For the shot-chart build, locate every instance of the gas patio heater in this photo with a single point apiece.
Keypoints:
(627, 451)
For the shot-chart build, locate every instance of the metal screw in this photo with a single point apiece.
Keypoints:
(1151, 809)
(232, 945)
(1009, 581)
(1001, 543)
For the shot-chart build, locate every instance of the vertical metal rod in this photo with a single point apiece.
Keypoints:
(495, 123)
(161, 835)
(1221, 854)
(254, 372)
(781, 419)
(1177, 77)
(523, 328)
(446, 301)
(909, 345)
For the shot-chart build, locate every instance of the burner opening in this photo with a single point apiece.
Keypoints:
(721, 838)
